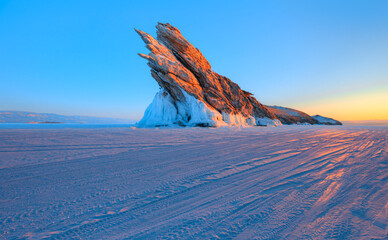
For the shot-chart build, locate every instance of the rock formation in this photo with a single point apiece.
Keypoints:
(193, 95)
(326, 120)
(291, 116)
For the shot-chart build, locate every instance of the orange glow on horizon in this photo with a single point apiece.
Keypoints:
(371, 104)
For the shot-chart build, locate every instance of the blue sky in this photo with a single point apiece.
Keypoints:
(80, 57)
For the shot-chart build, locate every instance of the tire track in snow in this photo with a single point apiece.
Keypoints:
(254, 183)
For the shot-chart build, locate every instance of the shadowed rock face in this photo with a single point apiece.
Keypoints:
(326, 120)
(291, 116)
(183, 72)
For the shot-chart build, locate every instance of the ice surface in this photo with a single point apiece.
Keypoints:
(289, 182)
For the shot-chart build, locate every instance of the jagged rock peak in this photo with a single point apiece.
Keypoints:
(192, 88)
(191, 93)
(190, 56)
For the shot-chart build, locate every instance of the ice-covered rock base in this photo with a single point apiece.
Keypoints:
(164, 111)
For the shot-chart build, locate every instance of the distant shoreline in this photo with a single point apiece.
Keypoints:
(377, 123)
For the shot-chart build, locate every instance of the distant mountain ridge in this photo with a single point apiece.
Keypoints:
(32, 117)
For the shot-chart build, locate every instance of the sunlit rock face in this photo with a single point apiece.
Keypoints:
(191, 93)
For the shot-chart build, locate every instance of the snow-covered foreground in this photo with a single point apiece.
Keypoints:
(288, 182)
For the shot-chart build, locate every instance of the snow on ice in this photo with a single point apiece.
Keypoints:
(289, 182)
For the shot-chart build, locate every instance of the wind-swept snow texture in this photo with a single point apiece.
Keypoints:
(195, 183)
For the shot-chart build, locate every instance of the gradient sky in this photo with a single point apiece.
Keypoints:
(80, 57)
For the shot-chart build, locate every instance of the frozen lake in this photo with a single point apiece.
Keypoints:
(59, 125)
(288, 182)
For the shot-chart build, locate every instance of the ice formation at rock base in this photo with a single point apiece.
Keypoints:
(163, 111)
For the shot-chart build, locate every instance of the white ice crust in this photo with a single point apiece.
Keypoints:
(161, 112)
(164, 111)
